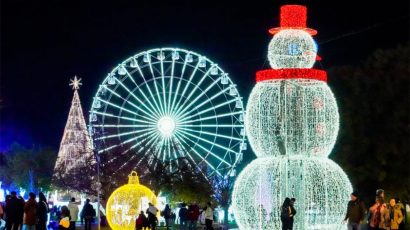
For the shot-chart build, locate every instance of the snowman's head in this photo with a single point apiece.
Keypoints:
(292, 48)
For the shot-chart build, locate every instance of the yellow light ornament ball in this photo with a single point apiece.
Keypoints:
(126, 202)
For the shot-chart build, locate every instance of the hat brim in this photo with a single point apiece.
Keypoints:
(308, 30)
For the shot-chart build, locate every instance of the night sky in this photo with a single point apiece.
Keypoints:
(45, 43)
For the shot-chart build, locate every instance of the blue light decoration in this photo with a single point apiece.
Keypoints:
(2, 193)
(292, 122)
(169, 104)
(294, 49)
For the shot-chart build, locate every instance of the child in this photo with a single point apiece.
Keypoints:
(65, 219)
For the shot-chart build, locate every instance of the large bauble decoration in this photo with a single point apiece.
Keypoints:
(320, 187)
(288, 117)
(126, 202)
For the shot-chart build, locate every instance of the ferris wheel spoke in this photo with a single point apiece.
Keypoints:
(186, 86)
(205, 149)
(213, 126)
(185, 117)
(175, 149)
(194, 90)
(121, 126)
(148, 150)
(183, 138)
(120, 117)
(211, 117)
(133, 147)
(179, 84)
(178, 113)
(150, 117)
(170, 85)
(209, 99)
(156, 86)
(150, 136)
(154, 114)
(169, 154)
(211, 143)
(161, 149)
(127, 110)
(125, 134)
(189, 155)
(164, 97)
(125, 142)
(212, 134)
(156, 107)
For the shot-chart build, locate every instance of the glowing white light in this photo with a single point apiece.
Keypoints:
(292, 49)
(166, 125)
(173, 103)
(292, 117)
(76, 144)
(1, 193)
(75, 83)
(320, 187)
(292, 126)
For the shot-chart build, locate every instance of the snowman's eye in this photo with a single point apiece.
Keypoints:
(293, 49)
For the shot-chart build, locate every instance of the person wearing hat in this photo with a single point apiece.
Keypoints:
(380, 194)
(152, 216)
(355, 212)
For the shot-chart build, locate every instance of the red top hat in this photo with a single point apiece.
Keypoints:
(293, 17)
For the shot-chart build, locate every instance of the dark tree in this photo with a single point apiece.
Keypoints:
(30, 169)
(373, 142)
(222, 190)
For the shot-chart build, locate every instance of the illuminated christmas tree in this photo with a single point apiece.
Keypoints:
(76, 146)
(291, 122)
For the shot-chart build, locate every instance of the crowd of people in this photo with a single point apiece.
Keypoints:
(32, 215)
(380, 216)
(188, 217)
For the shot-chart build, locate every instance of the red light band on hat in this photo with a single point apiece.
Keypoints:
(274, 74)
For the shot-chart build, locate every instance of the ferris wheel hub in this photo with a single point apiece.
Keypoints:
(166, 126)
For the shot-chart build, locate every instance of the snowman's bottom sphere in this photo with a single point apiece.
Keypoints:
(321, 188)
(125, 204)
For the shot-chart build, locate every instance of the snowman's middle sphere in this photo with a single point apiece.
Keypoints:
(292, 117)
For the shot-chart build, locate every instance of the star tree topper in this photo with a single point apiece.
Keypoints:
(75, 83)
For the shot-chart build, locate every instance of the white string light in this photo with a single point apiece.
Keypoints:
(291, 117)
(292, 122)
(320, 187)
(292, 49)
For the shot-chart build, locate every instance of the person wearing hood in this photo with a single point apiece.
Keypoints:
(42, 212)
(355, 212)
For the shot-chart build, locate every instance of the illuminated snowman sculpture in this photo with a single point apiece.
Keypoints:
(291, 122)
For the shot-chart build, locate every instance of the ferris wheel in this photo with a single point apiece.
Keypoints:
(169, 104)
